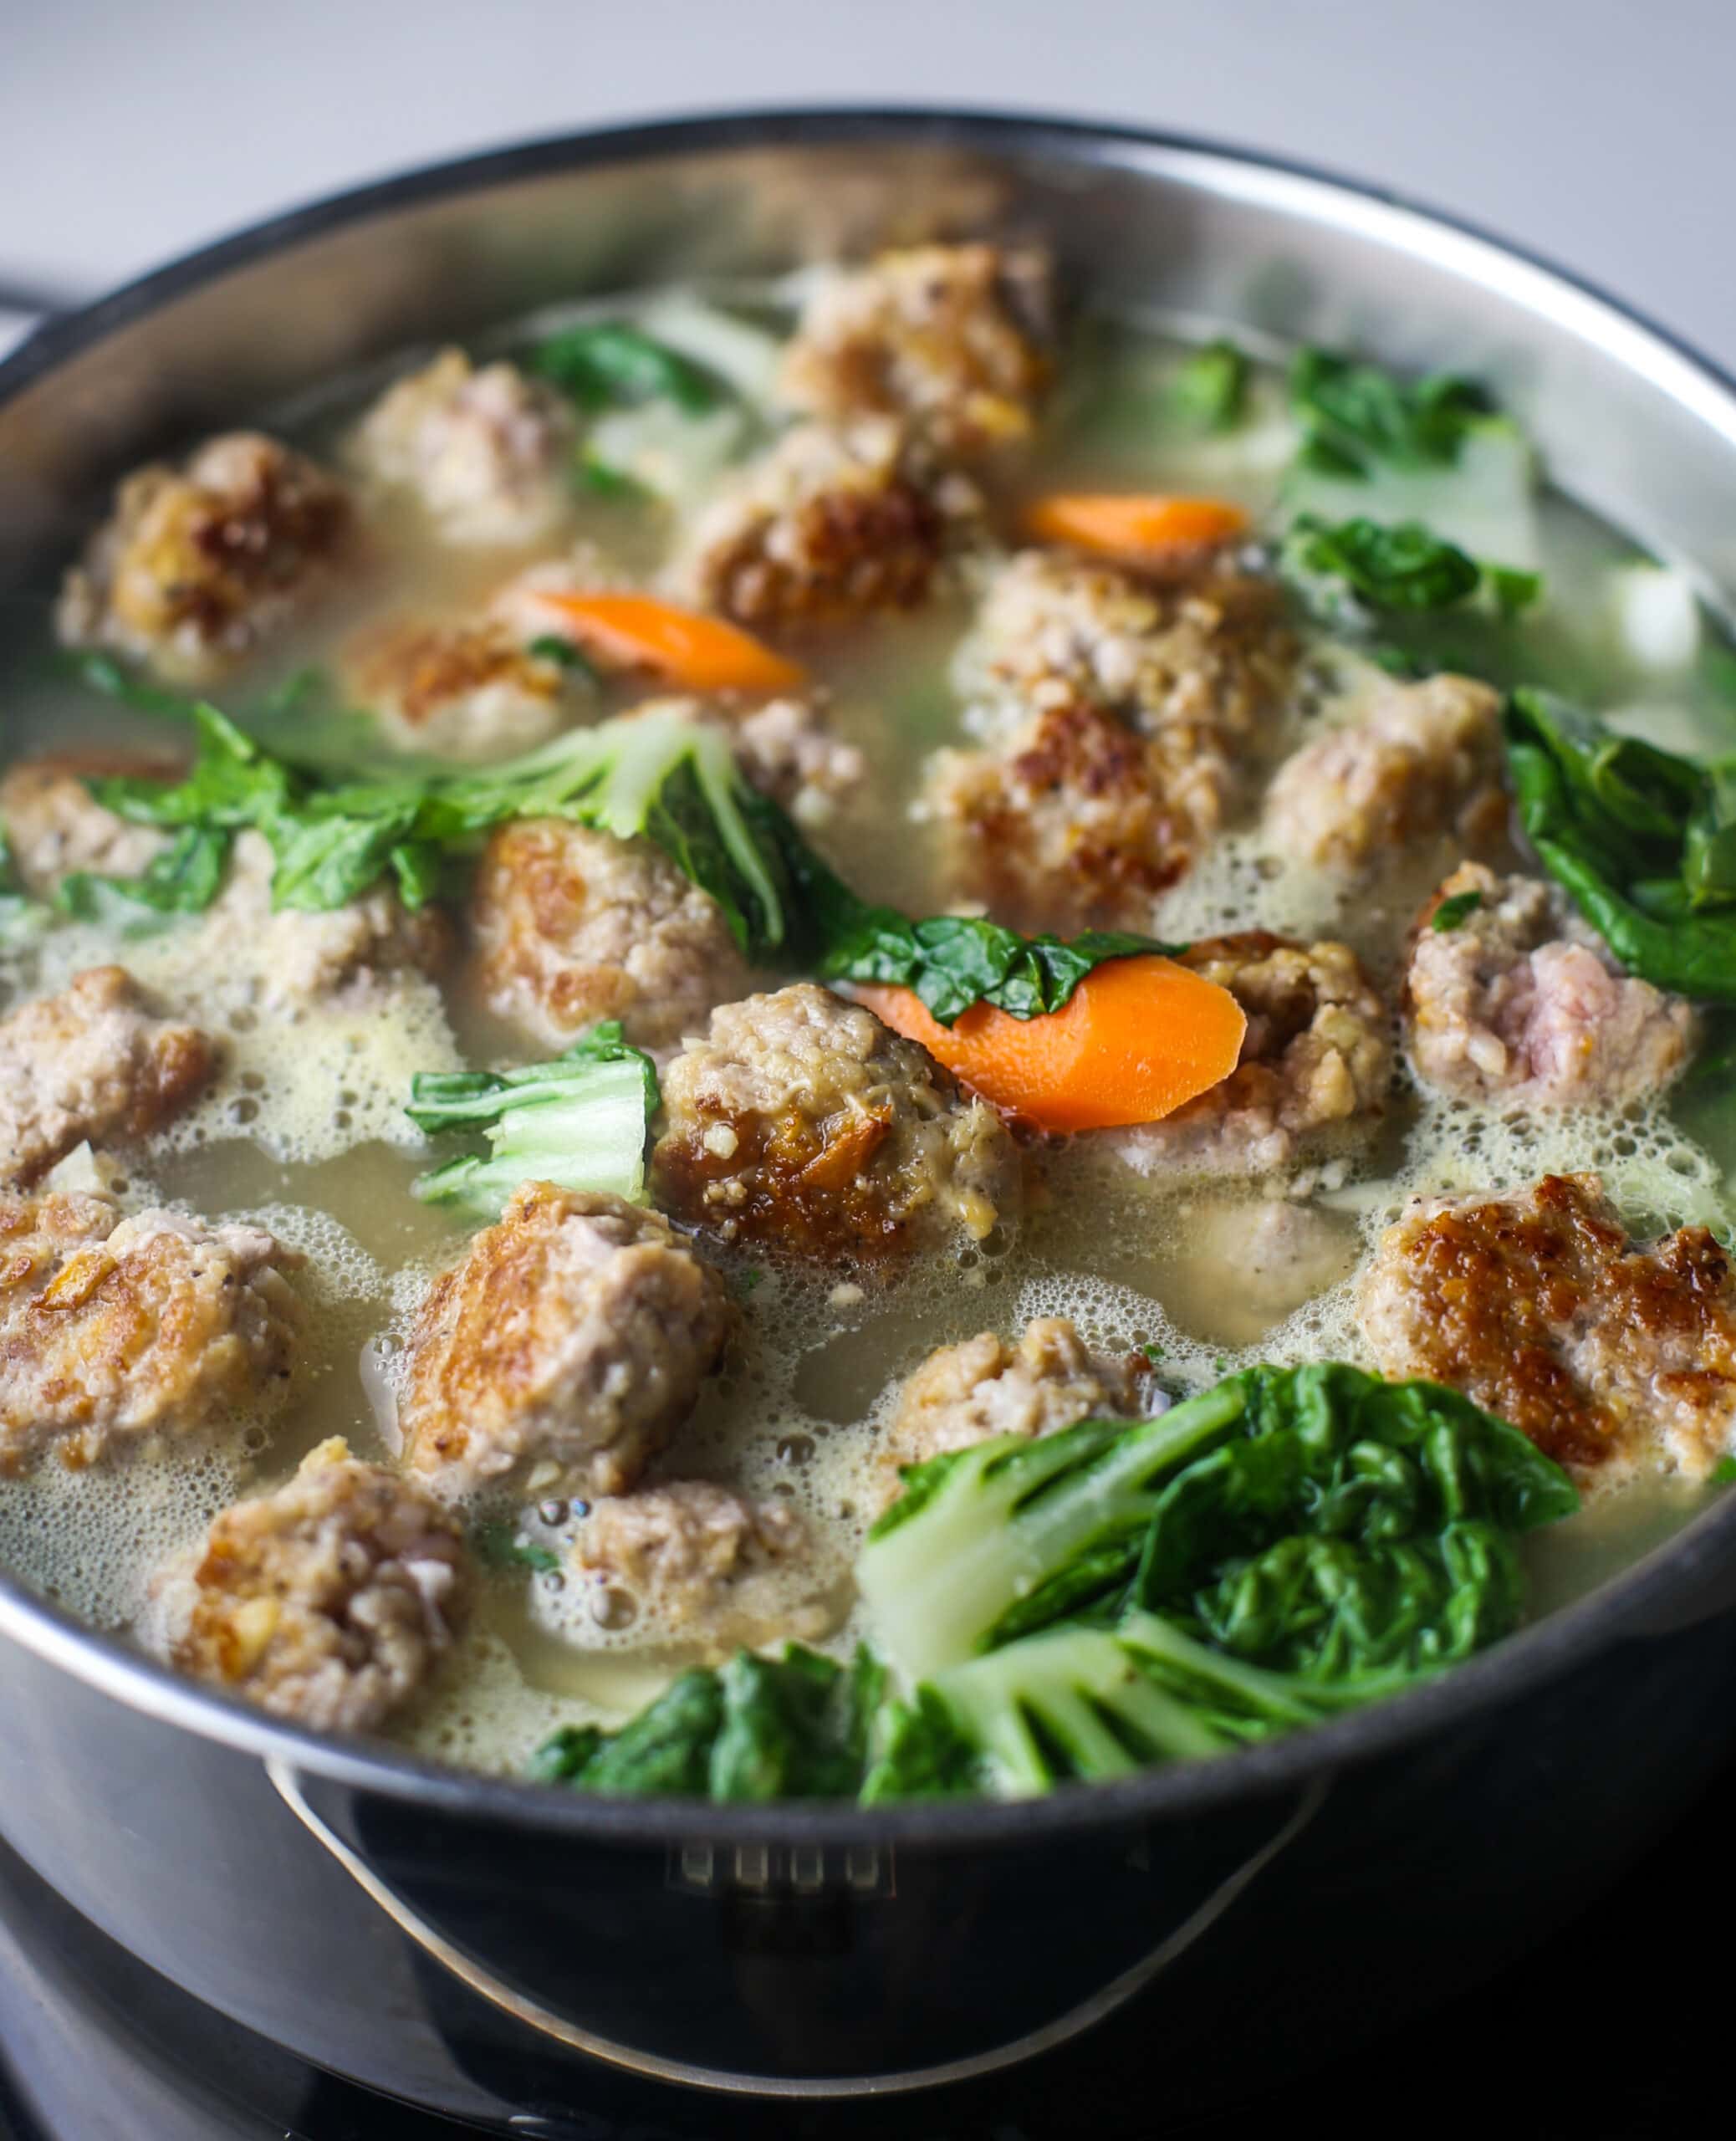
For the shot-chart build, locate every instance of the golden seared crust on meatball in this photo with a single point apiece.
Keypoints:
(1537, 1305)
(92, 1062)
(563, 1352)
(111, 1329)
(828, 525)
(290, 960)
(461, 690)
(971, 1393)
(197, 566)
(1425, 762)
(802, 1124)
(1317, 1055)
(484, 453)
(1075, 820)
(571, 926)
(55, 827)
(1210, 656)
(1518, 1001)
(953, 337)
(329, 1601)
(704, 1564)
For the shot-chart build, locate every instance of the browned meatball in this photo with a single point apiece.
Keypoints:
(92, 1062)
(56, 827)
(1078, 821)
(1425, 762)
(704, 1565)
(970, 1393)
(198, 564)
(801, 1122)
(1210, 655)
(828, 525)
(953, 337)
(1317, 1055)
(572, 926)
(112, 1329)
(1518, 1001)
(484, 454)
(563, 1352)
(1537, 1305)
(461, 690)
(329, 1601)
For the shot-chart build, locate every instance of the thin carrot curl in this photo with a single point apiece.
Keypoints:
(1143, 526)
(1137, 1038)
(701, 653)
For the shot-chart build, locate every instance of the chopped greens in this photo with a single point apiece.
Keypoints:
(793, 1727)
(1454, 910)
(1356, 415)
(608, 364)
(498, 1547)
(950, 961)
(1643, 840)
(1403, 567)
(1209, 390)
(580, 1121)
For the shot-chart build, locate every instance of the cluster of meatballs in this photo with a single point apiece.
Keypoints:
(1116, 718)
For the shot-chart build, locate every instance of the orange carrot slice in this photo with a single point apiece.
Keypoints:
(1137, 1038)
(704, 654)
(1142, 526)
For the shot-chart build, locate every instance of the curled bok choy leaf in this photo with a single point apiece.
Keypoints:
(1642, 839)
(580, 1121)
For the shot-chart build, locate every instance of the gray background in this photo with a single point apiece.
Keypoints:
(1604, 135)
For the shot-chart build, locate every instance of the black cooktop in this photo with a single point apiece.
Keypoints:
(1615, 2028)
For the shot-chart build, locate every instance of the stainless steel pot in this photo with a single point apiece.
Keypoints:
(517, 1955)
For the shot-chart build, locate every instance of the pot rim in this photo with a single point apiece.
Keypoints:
(1660, 1580)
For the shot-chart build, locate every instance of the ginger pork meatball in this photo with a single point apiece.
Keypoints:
(1209, 657)
(1519, 1001)
(1076, 821)
(955, 338)
(197, 566)
(114, 1329)
(1537, 1305)
(289, 961)
(459, 691)
(484, 454)
(828, 525)
(95, 1062)
(56, 828)
(801, 1122)
(1424, 762)
(1317, 1056)
(329, 1601)
(563, 1352)
(983, 1388)
(571, 926)
(704, 1564)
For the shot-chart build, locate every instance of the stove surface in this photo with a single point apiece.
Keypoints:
(96, 2047)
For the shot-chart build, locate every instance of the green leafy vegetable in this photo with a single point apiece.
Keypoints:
(950, 961)
(1724, 1472)
(1355, 416)
(1209, 391)
(580, 1121)
(795, 1727)
(498, 1547)
(550, 646)
(1403, 568)
(1388, 1487)
(609, 363)
(1643, 840)
(1453, 910)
